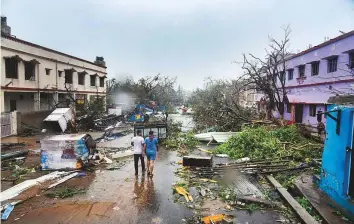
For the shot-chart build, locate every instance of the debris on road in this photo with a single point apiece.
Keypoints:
(213, 218)
(62, 180)
(59, 119)
(7, 211)
(66, 151)
(219, 137)
(182, 191)
(65, 193)
(15, 154)
(198, 161)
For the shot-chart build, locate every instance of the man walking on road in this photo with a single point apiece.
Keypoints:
(151, 149)
(138, 147)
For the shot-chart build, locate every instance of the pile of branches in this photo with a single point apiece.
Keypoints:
(269, 142)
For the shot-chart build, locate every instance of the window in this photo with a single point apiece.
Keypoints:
(47, 71)
(288, 108)
(81, 78)
(101, 81)
(332, 64)
(301, 71)
(11, 68)
(290, 74)
(69, 76)
(312, 111)
(29, 70)
(351, 60)
(315, 68)
(60, 73)
(93, 80)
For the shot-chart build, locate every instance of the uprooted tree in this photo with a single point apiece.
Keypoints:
(268, 75)
(217, 105)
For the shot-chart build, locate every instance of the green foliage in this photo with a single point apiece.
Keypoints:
(251, 207)
(227, 194)
(189, 140)
(306, 205)
(66, 192)
(266, 143)
(176, 138)
(286, 180)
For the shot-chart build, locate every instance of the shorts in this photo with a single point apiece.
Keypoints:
(151, 156)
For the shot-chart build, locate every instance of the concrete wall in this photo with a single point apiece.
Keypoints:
(34, 118)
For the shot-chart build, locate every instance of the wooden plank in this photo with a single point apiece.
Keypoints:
(258, 200)
(318, 199)
(300, 211)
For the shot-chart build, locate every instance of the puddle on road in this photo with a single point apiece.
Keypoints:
(142, 199)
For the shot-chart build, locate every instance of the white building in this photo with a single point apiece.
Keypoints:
(35, 78)
(249, 96)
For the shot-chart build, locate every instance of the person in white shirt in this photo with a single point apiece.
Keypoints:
(138, 147)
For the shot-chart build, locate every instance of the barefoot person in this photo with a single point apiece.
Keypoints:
(138, 147)
(151, 149)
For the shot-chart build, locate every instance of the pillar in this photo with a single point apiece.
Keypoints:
(36, 101)
(2, 99)
(14, 122)
(55, 99)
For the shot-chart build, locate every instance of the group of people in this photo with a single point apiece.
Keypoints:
(149, 147)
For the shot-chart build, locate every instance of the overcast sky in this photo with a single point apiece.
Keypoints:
(190, 39)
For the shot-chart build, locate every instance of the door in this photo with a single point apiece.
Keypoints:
(13, 105)
(351, 174)
(299, 109)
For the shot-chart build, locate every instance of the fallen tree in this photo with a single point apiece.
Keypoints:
(217, 105)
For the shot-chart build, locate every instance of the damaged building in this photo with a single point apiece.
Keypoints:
(37, 78)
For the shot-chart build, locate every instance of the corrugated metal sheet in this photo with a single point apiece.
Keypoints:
(244, 187)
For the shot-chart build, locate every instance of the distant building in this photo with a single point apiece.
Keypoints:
(35, 78)
(316, 74)
(248, 97)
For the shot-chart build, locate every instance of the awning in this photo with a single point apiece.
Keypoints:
(35, 61)
(330, 57)
(83, 72)
(314, 61)
(71, 69)
(309, 98)
(18, 58)
(349, 51)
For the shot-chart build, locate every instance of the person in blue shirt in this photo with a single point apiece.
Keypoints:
(151, 148)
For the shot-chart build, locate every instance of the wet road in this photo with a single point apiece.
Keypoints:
(117, 196)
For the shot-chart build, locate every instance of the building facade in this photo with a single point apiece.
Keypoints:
(35, 78)
(316, 74)
(249, 96)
